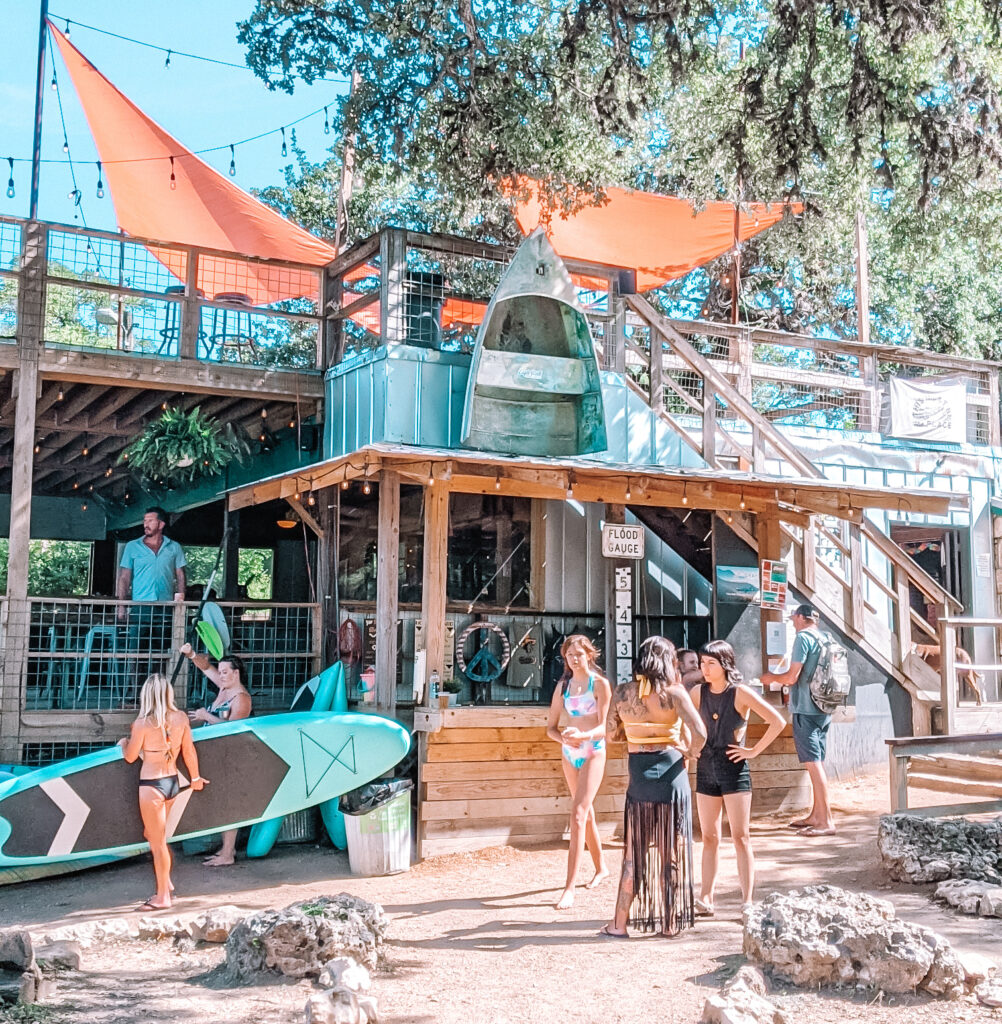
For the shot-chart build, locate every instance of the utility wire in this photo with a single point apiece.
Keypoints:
(170, 51)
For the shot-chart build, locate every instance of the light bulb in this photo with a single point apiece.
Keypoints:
(85, 451)
(59, 395)
(366, 488)
(54, 84)
(344, 485)
(311, 500)
(233, 162)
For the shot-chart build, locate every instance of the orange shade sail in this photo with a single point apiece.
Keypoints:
(660, 237)
(203, 208)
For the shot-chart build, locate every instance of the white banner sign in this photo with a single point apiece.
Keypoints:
(931, 408)
(622, 541)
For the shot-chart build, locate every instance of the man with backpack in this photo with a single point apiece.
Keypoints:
(810, 722)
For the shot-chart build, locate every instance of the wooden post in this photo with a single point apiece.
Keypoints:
(331, 327)
(869, 411)
(392, 276)
(709, 424)
(30, 333)
(387, 589)
(537, 554)
(904, 615)
(994, 430)
(436, 551)
(898, 775)
(857, 599)
(191, 310)
(810, 556)
(948, 674)
(656, 397)
(326, 626)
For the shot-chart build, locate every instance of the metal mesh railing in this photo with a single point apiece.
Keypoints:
(94, 655)
(10, 245)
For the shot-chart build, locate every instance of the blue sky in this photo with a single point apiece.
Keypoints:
(201, 104)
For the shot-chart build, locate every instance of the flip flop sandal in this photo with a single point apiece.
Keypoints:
(811, 832)
(605, 933)
(799, 824)
(147, 905)
(702, 908)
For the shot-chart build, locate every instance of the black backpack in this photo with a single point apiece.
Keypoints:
(831, 683)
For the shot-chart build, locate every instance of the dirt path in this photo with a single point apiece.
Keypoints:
(475, 937)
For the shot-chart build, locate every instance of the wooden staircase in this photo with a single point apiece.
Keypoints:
(858, 577)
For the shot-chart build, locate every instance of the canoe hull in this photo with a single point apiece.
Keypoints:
(534, 386)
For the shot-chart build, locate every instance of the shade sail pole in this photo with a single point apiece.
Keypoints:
(36, 148)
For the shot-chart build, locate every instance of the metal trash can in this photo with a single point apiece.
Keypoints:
(377, 820)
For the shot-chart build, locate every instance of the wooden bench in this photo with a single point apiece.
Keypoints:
(969, 765)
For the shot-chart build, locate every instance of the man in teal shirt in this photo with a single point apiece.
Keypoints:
(152, 569)
(810, 723)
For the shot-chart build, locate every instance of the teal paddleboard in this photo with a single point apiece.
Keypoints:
(317, 694)
(258, 768)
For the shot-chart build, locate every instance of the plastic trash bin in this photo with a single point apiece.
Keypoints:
(377, 819)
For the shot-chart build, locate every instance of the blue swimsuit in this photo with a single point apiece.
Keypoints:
(577, 706)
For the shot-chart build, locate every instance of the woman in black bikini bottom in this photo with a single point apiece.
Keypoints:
(159, 734)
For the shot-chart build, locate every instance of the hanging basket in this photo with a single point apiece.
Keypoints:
(182, 447)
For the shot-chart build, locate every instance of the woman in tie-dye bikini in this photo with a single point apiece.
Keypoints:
(584, 695)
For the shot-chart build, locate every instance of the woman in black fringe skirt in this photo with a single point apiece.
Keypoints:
(653, 713)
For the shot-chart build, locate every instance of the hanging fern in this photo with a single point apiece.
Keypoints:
(183, 447)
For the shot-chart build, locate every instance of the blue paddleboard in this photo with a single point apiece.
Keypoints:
(317, 694)
(258, 768)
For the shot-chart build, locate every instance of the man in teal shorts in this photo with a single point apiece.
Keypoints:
(810, 723)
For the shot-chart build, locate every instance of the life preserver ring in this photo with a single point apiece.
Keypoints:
(484, 666)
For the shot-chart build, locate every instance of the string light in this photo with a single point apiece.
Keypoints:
(344, 484)
(10, 180)
(327, 123)
(53, 85)
(66, 31)
(366, 488)
(76, 195)
(292, 424)
(285, 148)
(108, 472)
(66, 144)
(85, 451)
(167, 61)
(84, 506)
(685, 496)
(76, 486)
(570, 485)
(173, 180)
(497, 481)
(264, 414)
(311, 499)
(100, 182)
(59, 395)
(741, 503)
(233, 162)
(629, 493)
(38, 448)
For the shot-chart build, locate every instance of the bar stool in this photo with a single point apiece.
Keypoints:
(231, 328)
(102, 633)
(170, 333)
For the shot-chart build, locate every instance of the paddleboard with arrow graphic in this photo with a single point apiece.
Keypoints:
(258, 768)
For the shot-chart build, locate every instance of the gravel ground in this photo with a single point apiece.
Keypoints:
(475, 937)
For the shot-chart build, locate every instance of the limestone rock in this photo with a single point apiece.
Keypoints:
(343, 972)
(302, 939)
(977, 968)
(743, 1001)
(16, 950)
(215, 925)
(59, 956)
(157, 928)
(916, 849)
(971, 897)
(989, 993)
(823, 935)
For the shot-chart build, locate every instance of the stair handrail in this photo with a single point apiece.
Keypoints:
(735, 400)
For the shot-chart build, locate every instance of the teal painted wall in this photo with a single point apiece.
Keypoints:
(58, 518)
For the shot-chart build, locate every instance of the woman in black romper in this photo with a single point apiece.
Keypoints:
(723, 778)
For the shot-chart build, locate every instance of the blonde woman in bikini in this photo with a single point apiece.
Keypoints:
(159, 734)
(584, 694)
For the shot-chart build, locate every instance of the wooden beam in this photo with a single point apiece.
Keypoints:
(306, 516)
(392, 275)
(387, 590)
(436, 549)
(116, 370)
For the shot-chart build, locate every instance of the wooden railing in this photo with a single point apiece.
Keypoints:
(960, 765)
(855, 574)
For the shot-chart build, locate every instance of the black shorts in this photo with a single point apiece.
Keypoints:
(717, 775)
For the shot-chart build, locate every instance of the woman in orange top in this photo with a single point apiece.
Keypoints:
(158, 735)
(651, 710)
